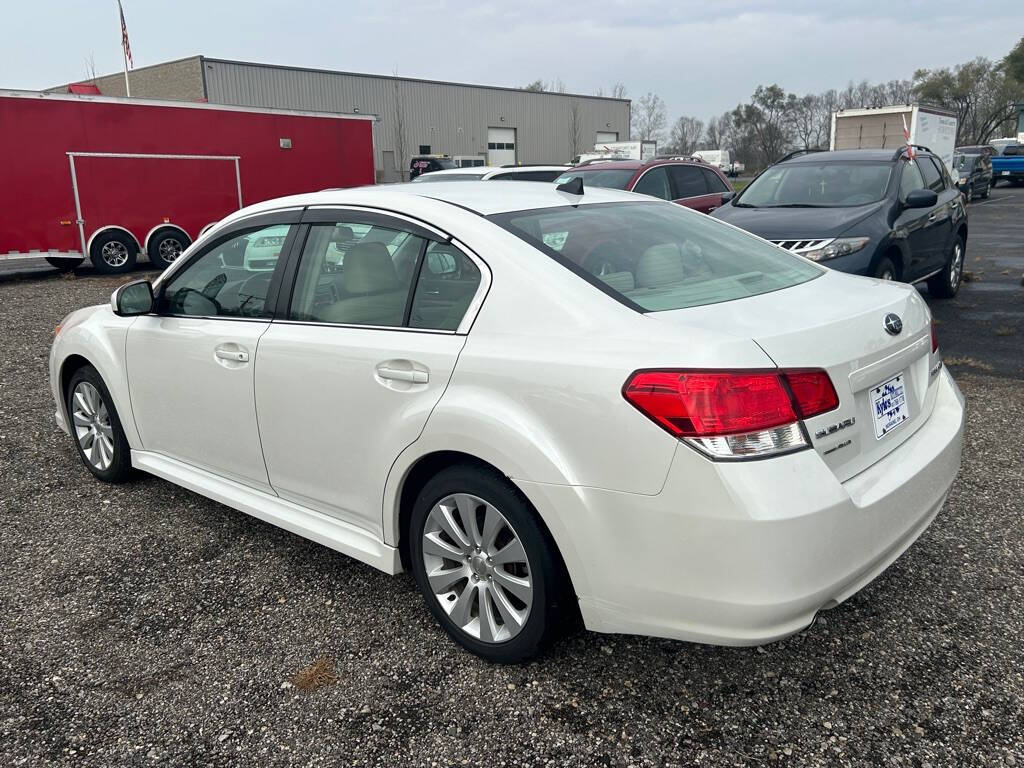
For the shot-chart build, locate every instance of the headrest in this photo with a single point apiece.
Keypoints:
(659, 265)
(368, 268)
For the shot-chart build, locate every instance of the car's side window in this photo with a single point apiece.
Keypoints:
(689, 181)
(355, 274)
(230, 279)
(910, 180)
(448, 281)
(655, 183)
(932, 177)
(715, 183)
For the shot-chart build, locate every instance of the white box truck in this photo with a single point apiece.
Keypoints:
(628, 150)
(719, 157)
(882, 128)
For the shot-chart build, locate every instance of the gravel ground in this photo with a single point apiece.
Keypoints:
(145, 625)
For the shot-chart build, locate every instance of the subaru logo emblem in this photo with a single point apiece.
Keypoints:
(893, 324)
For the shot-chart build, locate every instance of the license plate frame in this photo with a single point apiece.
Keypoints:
(889, 407)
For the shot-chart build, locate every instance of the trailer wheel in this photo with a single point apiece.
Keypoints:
(166, 247)
(64, 265)
(113, 252)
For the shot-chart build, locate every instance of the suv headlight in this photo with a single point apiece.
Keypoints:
(841, 246)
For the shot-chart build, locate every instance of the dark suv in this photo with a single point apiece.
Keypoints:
(975, 174)
(426, 163)
(873, 212)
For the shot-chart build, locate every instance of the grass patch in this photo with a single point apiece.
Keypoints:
(739, 185)
(317, 675)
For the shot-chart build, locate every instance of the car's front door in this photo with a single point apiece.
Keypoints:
(352, 366)
(915, 225)
(190, 365)
(690, 188)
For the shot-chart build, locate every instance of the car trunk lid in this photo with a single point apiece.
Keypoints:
(838, 323)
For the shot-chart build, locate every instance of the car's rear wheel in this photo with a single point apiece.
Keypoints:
(946, 283)
(970, 192)
(96, 428)
(113, 252)
(986, 191)
(885, 269)
(487, 569)
(166, 247)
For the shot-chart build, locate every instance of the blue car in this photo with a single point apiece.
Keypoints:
(874, 212)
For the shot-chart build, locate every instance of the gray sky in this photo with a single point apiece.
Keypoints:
(701, 57)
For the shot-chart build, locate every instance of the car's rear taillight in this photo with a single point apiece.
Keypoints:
(733, 414)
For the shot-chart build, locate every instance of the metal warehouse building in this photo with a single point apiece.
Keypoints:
(474, 124)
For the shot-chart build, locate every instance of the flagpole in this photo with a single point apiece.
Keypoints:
(124, 51)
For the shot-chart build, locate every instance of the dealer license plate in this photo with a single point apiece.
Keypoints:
(889, 405)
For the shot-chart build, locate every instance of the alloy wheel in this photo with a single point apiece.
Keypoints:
(114, 253)
(92, 426)
(169, 249)
(956, 266)
(477, 568)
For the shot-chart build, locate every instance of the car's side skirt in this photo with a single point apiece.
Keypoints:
(307, 523)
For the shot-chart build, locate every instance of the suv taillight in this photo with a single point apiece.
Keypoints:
(733, 414)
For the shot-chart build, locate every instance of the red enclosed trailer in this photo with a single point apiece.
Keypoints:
(110, 178)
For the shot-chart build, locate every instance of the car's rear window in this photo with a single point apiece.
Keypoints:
(658, 256)
(613, 178)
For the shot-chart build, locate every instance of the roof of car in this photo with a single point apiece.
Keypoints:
(846, 155)
(483, 197)
(484, 170)
(636, 165)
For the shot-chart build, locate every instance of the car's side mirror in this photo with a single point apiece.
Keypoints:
(921, 198)
(131, 299)
(728, 195)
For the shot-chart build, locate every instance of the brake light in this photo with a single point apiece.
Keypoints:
(935, 339)
(732, 414)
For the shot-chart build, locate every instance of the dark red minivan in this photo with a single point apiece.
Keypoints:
(692, 183)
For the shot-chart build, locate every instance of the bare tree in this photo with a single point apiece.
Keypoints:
(762, 123)
(536, 86)
(981, 94)
(617, 91)
(399, 130)
(686, 133)
(719, 132)
(648, 118)
(575, 129)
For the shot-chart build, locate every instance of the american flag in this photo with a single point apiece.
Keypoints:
(906, 132)
(124, 37)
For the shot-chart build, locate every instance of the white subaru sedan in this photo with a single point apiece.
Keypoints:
(544, 404)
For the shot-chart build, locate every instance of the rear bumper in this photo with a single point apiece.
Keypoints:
(745, 553)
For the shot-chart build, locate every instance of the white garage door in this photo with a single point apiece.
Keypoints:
(605, 137)
(501, 146)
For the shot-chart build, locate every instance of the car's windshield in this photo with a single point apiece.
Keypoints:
(448, 177)
(818, 185)
(964, 162)
(658, 256)
(613, 178)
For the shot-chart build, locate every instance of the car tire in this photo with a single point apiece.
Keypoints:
(970, 192)
(946, 283)
(96, 428)
(518, 612)
(64, 265)
(166, 247)
(993, 184)
(885, 269)
(113, 252)
(986, 191)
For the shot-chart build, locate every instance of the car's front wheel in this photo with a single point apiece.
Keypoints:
(885, 269)
(946, 283)
(96, 428)
(487, 569)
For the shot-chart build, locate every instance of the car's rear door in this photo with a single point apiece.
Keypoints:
(943, 217)
(367, 337)
(915, 225)
(190, 364)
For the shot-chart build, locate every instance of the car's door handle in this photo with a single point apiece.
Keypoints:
(401, 374)
(931, 217)
(233, 355)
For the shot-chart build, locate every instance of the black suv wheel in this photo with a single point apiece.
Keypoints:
(946, 283)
